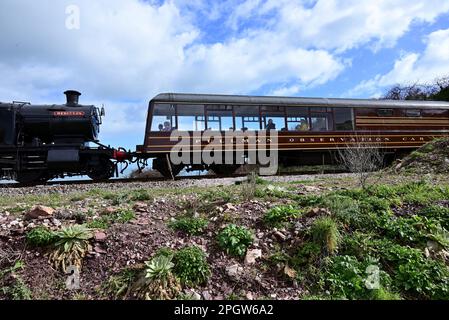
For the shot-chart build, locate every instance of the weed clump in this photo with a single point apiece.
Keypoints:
(190, 266)
(189, 225)
(235, 239)
(280, 214)
(324, 232)
(40, 237)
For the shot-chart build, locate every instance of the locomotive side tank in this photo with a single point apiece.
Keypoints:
(60, 123)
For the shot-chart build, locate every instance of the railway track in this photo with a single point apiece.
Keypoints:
(156, 179)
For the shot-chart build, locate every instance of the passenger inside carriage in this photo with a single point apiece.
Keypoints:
(270, 125)
(302, 126)
(167, 126)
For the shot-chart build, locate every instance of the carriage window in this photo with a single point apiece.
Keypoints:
(191, 117)
(385, 112)
(321, 121)
(273, 118)
(435, 113)
(219, 118)
(247, 118)
(413, 113)
(343, 119)
(298, 119)
(163, 117)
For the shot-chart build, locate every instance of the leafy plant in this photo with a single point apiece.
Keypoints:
(235, 239)
(278, 215)
(190, 266)
(189, 225)
(324, 231)
(160, 282)
(118, 285)
(413, 272)
(71, 245)
(344, 209)
(348, 278)
(40, 237)
(438, 213)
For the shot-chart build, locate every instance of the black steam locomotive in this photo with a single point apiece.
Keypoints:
(42, 142)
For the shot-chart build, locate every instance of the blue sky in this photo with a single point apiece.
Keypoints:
(127, 51)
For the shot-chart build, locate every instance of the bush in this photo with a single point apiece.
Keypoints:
(191, 266)
(324, 232)
(189, 225)
(279, 215)
(344, 209)
(40, 237)
(235, 239)
(413, 272)
(347, 278)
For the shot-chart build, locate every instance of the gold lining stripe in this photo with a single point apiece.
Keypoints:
(283, 149)
(292, 143)
(337, 136)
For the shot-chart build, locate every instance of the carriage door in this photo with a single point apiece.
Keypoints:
(219, 118)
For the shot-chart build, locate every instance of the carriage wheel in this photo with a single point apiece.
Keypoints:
(161, 165)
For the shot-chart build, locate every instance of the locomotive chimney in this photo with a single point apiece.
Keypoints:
(72, 97)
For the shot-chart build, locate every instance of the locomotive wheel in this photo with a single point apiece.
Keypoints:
(161, 165)
(29, 177)
(225, 170)
(103, 172)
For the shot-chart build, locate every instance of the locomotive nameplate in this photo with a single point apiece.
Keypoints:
(69, 113)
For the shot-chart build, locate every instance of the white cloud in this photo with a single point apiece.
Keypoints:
(413, 67)
(344, 24)
(285, 91)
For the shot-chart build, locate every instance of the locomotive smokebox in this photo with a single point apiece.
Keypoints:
(72, 97)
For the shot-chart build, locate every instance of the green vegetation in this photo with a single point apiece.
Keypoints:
(324, 232)
(70, 247)
(105, 221)
(160, 283)
(40, 237)
(277, 216)
(235, 239)
(189, 225)
(118, 285)
(386, 227)
(190, 266)
(12, 284)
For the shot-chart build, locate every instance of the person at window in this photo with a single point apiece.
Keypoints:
(303, 126)
(161, 127)
(271, 125)
(167, 126)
